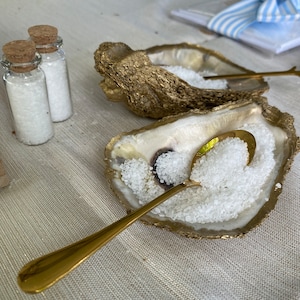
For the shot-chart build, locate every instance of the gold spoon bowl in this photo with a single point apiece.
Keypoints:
(43, 272)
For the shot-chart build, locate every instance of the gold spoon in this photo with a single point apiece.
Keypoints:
(291, 71)
(43, 272)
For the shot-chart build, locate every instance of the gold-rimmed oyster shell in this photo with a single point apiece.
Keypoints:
(202, 126)
(138, 79)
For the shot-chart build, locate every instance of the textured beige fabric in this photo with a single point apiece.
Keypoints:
(59, 194)
(4, 180)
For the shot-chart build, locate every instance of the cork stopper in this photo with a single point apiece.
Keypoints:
(44, 35)
(20, 52)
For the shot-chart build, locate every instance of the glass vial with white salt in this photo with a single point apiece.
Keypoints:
(54, 64)
(26, 89)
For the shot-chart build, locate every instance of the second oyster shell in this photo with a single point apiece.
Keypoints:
(138, 78)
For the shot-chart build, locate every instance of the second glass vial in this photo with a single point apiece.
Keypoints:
(54, 65)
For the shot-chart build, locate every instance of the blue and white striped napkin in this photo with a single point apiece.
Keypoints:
(268, 25)
(236, 18)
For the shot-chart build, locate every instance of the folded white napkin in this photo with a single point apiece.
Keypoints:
(236, 18)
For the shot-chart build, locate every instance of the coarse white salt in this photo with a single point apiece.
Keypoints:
(171, 164)
(223, 165)
(138, 176)
(195, 79)
(228, 184)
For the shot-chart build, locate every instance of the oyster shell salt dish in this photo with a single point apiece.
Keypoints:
(160, 81)
(233, 197)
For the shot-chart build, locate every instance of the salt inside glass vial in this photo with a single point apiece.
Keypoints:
(54, 64)
(26, 89)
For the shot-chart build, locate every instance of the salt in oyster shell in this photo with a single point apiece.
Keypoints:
(190, 130)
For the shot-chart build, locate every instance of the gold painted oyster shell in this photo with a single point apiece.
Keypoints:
(138, 79)
(201, 126)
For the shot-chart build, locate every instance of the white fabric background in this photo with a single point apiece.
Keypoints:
(59, 194)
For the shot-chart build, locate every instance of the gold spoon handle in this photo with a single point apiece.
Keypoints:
(291, 71)
(43, 272)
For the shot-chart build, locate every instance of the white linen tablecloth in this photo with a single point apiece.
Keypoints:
(59, 194)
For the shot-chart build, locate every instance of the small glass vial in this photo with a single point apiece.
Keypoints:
(26, 89)
(54, 65)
